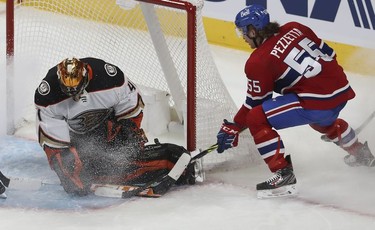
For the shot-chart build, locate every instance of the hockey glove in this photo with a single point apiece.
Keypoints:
(227, 136)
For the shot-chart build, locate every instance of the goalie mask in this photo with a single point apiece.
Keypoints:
(73, 76)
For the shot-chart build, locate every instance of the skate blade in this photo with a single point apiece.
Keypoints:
(3, 196)
(288, 190)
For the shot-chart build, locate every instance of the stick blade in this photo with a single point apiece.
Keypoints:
(121, 191)
(108, 192)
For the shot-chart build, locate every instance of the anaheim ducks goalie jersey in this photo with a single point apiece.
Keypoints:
(108, 92)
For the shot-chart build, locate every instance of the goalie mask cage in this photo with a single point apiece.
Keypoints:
(159, 44)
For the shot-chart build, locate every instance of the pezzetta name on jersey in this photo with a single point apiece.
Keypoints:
(284, 42)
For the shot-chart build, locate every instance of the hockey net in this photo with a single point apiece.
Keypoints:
(159, 44)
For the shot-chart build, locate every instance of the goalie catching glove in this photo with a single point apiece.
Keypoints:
(227, 136)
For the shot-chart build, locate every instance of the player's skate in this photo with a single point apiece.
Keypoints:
(282, 183)
(363, 157)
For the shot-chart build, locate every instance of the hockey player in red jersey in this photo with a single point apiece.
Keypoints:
(89, 125)
(311, 88)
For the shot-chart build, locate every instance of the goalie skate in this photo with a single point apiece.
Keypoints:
(281, 184)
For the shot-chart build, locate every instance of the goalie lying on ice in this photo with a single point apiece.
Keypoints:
(88, 123)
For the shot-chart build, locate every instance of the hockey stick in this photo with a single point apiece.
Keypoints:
(365, 123)
(357, 130)
(208, 150)
(204, 153)
(30, 184)
(104, 190)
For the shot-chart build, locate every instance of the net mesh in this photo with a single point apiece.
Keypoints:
(47, 31)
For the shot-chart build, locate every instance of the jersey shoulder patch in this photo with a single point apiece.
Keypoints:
(44, 88)
(110, 69)
(48, 91)
(105, 75)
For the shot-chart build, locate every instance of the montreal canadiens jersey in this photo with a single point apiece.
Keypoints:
(109, 91)
(296, 61)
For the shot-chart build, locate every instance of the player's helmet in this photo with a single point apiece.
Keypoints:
(73, 76)
(255, 15)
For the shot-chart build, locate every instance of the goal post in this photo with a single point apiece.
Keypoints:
(159, 44)
(169, 69)
(9, 34)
